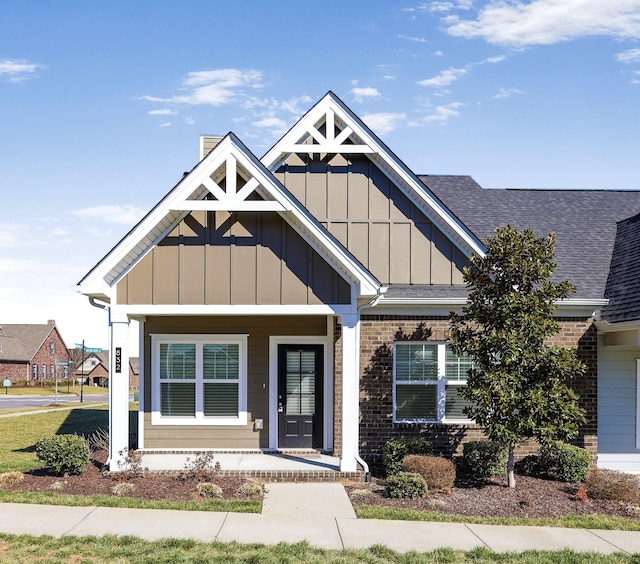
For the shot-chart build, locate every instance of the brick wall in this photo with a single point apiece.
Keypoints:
(377, 334)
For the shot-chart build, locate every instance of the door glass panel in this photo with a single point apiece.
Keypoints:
(300, 382)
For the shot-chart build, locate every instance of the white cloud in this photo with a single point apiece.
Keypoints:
(296, 105)
(17, 265)
(360, 93)
(162, 112)
(440, 115)
(445, 78)
(449, 6)
(383, 122)
(636, 79)
(213, 87)
(629, 56)
(17, 71)
(15, 235)
(271, 123)
(507, 92)
(189, 120)
(165, 124)
(126, 214)
(545, 22)
(414, 39)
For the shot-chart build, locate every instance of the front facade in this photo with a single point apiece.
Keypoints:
(301, 301)
(32, 354)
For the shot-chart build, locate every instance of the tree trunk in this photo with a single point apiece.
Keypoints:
(511, 464)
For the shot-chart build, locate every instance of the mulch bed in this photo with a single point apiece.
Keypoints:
(532, 497)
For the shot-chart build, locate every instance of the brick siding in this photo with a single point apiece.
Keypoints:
(377, 334)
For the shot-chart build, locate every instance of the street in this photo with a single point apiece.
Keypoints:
(18, 402)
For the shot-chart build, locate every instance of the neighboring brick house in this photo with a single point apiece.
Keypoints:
(94, 370)
(301, 300)
(29, 354)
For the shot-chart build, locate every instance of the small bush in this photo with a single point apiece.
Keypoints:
(202, 467)
(209, 490)
(439, 473)
(395, 450)
(612, 485)
(124, 488)
(63, 454)
(563, 462)
(406, 484)
(10, 479)
(99, 440)
(250, 489)
(483, 459)
(131, 465)
(528, 466)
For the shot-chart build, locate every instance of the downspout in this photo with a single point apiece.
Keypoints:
(371, 304)
(94, 303)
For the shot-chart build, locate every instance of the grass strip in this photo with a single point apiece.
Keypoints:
(101, 500)
(569, 521)
(26, 548)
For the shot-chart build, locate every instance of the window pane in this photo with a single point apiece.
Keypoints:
(221, 400)
(456, 367)
(416, 401)
(177, 361)
(454, 403)
(178, 398)
(221, 362)
(417, 362)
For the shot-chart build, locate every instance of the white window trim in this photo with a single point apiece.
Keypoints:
(199, 419)
(440, 384)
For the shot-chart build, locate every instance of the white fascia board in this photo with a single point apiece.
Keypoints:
(578, 307)
(605, 327)
(389, 164)
(195, 309)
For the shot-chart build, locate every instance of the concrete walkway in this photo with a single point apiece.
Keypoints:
(318, 513)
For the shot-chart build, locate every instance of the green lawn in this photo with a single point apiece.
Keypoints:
(51, 390)
(20, 434)
(26, 548)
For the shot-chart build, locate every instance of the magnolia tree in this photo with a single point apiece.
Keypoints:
(518, 385)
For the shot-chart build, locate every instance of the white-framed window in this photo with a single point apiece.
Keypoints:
(34, 371)
(427, 378)
(199, 379)
(52, 347)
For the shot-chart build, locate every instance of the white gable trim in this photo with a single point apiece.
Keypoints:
(189, 195)
(305, 137)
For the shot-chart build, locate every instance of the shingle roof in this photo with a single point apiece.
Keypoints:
(20, 342)
(623, 285)
(584, 222)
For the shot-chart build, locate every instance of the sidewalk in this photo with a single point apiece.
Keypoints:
(318, 513)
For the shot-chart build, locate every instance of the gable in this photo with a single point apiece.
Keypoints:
(229, 180)
(233, 258)
(373, 218)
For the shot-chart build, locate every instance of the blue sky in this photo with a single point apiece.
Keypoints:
(102, 105)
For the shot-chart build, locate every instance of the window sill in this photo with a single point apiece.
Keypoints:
(201, 420)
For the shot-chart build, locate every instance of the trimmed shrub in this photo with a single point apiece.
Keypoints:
(406, 484)
(613, 485)
(123, 488)
(563, 462)
(528, 466)
(439, 473)
(395, 450)
(250, 489)
(209, 490)
(64, 455)
(483, 459)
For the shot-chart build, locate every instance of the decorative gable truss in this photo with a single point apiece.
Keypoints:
(229, 179)
(330, 127)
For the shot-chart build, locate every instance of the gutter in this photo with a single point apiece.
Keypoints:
(371, 304)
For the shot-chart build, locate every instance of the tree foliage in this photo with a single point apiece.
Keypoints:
(518, 386)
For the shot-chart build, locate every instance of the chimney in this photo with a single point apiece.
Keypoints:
(208, 143)
(51, 322)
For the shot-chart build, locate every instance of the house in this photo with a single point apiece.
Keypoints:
(30, 354)
(93, 368)
(301, 300)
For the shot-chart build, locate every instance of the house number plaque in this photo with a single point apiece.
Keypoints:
(118, 360)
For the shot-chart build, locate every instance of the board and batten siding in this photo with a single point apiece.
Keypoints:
(242, 258)
(617, 408)
(259, 329)
(373, 219)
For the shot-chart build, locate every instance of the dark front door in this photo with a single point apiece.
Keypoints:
(300, 406)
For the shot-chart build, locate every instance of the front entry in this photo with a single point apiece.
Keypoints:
(300, 401)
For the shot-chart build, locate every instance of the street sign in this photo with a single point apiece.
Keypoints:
(64, 363)
(88, 350)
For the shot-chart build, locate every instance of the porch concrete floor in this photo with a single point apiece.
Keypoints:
(247, 462)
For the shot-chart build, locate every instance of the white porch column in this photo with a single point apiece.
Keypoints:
(350, 391)
(118, 390)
